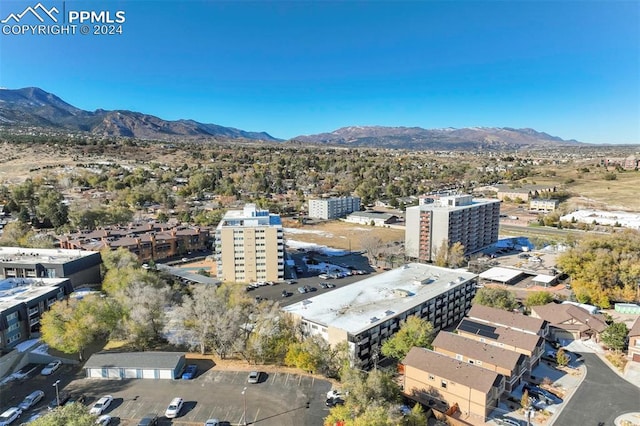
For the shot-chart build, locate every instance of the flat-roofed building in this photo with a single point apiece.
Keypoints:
(460, 218)
(429, 375)
(512, 365)
(333, 208)
(22, 303)
(79, 266)
(371, 218)
(368, 312)
(544, 205)
(250, 246)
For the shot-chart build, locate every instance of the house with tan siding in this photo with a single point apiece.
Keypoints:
(430, 376)
(512, 365)
(634, 341)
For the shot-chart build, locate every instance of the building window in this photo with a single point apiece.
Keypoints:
(443, 384)
(12, 316)
(13, 327)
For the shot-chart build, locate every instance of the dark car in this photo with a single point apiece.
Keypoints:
(190, 372)
(285, 293)
(79, 398)
(542, 394)
(148, 420)
(62, 398)
(332, 402)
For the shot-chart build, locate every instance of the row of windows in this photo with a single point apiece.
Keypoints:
(13, 338)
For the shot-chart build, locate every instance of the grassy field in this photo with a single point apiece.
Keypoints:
(341, 235)
(592, 190)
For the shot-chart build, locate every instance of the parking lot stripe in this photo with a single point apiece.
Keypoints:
(285, 382)
(299, 381)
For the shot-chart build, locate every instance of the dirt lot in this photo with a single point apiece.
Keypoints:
(341, 235)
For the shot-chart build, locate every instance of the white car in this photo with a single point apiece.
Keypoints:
(104, 420)
(10, 416)
(32, 399)
(51, 367)
(334, 393)
(173, 410)
(212, 422)
(101, 405)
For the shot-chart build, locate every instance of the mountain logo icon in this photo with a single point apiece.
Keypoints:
(38, 11)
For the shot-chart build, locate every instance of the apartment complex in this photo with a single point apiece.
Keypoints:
(79, 266)
(458, 218)
(249, 246)
(22, 303)
(544, 205)
(333, 208)
(148, 240)
(368, 312)
(428, 375)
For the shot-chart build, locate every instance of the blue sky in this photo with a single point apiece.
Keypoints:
(569, 68)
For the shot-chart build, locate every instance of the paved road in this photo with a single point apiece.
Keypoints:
(602, 396)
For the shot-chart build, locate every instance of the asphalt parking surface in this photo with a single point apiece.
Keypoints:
(279, 398)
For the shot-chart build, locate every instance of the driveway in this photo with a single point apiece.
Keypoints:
(602, 396)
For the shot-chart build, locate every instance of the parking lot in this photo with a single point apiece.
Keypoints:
(278, 399)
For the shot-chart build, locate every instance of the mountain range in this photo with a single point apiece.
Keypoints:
(34, 107)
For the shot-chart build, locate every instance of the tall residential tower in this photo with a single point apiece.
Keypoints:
(250, 246)
(458, 218)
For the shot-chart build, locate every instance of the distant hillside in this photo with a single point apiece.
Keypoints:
(35, 107)
(418, 138)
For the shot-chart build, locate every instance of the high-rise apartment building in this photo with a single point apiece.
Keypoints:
(332, 208)
(250, 246)
(458, 218)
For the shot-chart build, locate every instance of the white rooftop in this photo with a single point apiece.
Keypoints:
(361, 305)
(19, 290)
(31, 255)
(542, 278)
(625, 219)
(500, 274)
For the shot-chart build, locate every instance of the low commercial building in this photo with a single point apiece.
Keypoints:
(544, 205)
(429, 375)
(79, 266)
(512, 365)
(368, 312)
(22, 303)
(333, 208)
(371, 218)
(135, 365)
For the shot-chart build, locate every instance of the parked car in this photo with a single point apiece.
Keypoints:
(148, 420)
(324, 285)
(9, 416)
(291, 282)
(104, 420)
(542, 394)
(100, 405)
(285, 293)
(212, 422)
(505, 421)
(334, 393)
(31, 400)
(332, 402)
(190, 372)
(79, 398)
(59, 401)
(51, 367)
(254, 377)
(173, 410)
(302, 290)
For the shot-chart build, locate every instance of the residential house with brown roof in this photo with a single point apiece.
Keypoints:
(512, 320)
(634, 341)
(570, 322)
(430, 376)
(528, 344)
(148, 241)
(512, 365)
